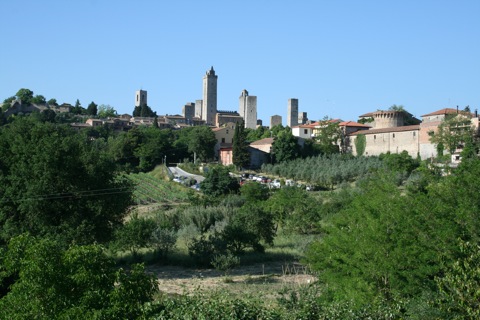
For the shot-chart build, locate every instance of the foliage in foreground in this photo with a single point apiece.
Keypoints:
(389, 245)
(80, 282)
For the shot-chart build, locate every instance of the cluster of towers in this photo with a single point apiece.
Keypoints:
(206, 109)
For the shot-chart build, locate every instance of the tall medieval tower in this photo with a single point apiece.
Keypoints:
(248, 109)
(140, 98)
(292, 113)
(209, 105)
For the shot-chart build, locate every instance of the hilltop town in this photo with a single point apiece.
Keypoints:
(374, 133)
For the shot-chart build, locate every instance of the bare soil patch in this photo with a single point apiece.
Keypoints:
(253, 279)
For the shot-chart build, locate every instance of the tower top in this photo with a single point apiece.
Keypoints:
(211, 72)
(244, 93)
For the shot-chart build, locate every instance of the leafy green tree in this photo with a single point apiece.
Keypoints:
(384, 245)
(154, 145)
(78, 109)
(143, 111)
(92, 109)
(253, 192)
(360, 144)
(218, 182)
(106, 111)
(135, 234)
(400, 162)
(54, 181)
(248, 228)
(80, 282)
(202, 142)
(48, 115)
(453, 132)
(25, 95)
(329, 136)
(459, 294)
(285, 146)
(39, 99)
(241, 156)
(52, 102)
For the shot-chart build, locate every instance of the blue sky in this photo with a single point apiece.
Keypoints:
(339, 58)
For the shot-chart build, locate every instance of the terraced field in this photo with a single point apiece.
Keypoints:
(151, 190)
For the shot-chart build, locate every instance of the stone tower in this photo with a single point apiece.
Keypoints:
(209, 105)
(140, 98)
(388, 119)
(292, 113)
(275, 120)
(198, 109)
(188, 112)
(248, 109)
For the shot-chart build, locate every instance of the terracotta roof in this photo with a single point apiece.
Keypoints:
(262, 142)
(353, 124)
(366, 115)
(386, 130)
(445, 111)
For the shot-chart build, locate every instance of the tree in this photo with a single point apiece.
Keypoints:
(329, 136)
(52, 102)
(25, 95)
(202, 142)
(106, 111)
(453, 132)
(92, 109)
(384, 245)
(39, 99)
(360, 144)
(218, 182)
(135, 234)
(54, 181)
(459, 294)
(241, 156)
(78, 109)
(285, 146)
(78, 282)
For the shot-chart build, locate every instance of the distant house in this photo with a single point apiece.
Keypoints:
(224, 136)
(260, 152)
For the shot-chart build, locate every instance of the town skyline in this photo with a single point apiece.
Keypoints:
(338, 59)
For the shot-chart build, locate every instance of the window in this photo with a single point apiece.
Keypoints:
(227, 131)
(393, 135)
(223, 140)
(305, 131)
(414, 133)
(374, 137)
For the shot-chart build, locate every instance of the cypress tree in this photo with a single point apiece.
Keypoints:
(241, 157)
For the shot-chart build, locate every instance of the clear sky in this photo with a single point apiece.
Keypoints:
(339, 58)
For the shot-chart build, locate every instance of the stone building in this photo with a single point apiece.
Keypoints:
(188, 112)
(198, 108)
(248, 109)
(292, 113)
(209, 104)
(223, 117)
(415, 139)
(302, 118)
(275, 120)
(141, 98)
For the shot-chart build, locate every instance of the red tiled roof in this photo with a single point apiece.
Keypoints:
(445, 111)
(262, 142)
(353, 124)
(386, 130)
(366, 115)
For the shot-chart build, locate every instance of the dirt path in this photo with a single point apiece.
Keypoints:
(178, 280)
